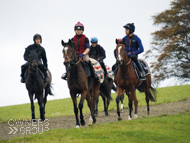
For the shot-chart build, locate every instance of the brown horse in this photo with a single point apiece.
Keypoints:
(36, 86)
(127, 80)
(78, 83)
(108, 83)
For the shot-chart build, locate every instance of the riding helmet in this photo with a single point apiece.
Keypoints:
(94, 40)
(37, 36)
(130, 26)
(79, 26)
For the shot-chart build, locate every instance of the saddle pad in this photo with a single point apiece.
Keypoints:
(98, 69)
(110, 72)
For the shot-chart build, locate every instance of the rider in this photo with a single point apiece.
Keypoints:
(133, 46)
(82, 49)
(41, 55)
(98, 51)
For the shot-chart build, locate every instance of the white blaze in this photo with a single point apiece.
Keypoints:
(119, 55)
(66, 48)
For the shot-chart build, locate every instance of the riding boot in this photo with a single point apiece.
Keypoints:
(64, 76)
(92, 71)
(104, 68)
(46, 77)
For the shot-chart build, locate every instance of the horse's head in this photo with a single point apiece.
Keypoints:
(120, 51)
(33, 60)
(69, 53)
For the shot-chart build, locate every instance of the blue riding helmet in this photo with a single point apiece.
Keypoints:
(94, 40)
(130, 26)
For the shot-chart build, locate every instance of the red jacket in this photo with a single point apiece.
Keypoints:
(80, 44)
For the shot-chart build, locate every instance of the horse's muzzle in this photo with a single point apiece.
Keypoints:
(34, 65)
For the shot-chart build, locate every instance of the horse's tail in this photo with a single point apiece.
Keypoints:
(105, 91)
(114, 88)
(50, 92)
(153, 94)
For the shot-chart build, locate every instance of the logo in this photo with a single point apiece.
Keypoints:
(27, 127)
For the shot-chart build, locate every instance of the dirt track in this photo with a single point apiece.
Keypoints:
(69, 121)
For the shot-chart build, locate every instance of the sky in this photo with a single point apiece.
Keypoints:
(55, 20)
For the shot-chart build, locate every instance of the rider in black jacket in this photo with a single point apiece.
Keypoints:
(99, 52)
(41, 55)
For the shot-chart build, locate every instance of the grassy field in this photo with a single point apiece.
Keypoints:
(175, 128)
(64, 107)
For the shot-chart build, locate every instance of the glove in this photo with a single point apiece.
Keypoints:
(130, 54)
(81, 55)
(100, 58)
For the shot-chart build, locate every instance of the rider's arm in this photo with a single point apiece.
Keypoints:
(102, 53)
(141, 49)
(87, 46)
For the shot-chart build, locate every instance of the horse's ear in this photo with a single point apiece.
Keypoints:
(62, 42)
(116, 41)
(70, 42)
(124, 41)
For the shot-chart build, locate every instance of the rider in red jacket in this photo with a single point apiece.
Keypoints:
(82, 49)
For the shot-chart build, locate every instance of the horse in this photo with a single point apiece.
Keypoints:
(36, 86)
(108, 83)
(126, 79)
(78, 83)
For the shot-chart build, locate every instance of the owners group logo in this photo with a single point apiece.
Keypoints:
(27, 127)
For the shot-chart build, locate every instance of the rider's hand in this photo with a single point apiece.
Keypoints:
(81, 55)
(130, 54)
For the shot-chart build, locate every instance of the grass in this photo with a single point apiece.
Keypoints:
(166, 129)
(64, 107)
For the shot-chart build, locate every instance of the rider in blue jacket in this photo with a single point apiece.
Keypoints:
(133, 46)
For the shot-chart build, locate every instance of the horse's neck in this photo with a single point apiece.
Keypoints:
(125, 63)
(75, 69)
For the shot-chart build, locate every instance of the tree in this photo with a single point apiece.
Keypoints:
(171, 44)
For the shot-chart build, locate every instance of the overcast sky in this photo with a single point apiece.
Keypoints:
(55, 20)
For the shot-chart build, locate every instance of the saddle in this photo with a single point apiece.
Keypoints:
(144, 66)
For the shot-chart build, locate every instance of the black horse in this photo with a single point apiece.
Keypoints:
(36, 86)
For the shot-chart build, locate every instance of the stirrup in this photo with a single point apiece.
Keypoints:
(64, 76)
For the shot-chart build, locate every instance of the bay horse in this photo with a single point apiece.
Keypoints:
(126, 79)
(108, 83)
(78, 83)
(36, 86)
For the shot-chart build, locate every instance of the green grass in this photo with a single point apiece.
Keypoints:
(64, 107)
(166, 129)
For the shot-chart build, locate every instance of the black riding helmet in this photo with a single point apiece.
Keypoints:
(37, 36)
(130, 26)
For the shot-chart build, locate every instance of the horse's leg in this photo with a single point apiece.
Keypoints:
(32, 106)
(147, 92)
(41, 105)
(96, 106)
(108, 103)
(45, 98)
(136, 106)
(121, 98)
(105, 107)
(83, 96)
(131, 97)
(75, 109)
(95, 92)
(119, 92)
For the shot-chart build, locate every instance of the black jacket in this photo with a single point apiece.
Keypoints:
(40, 51)
(97, 51)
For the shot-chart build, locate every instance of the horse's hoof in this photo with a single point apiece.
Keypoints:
(119, 118)
(90, 121)
(129, 118)
(83, 123)
(34, 120)
(122, 110)
(135, 116)
(148, 113)
(77, 126)
(106, 114)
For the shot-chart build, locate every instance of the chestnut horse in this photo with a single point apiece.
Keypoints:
(78, 83)
(126, 79)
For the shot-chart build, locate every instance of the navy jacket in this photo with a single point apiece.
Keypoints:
(133, 45)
